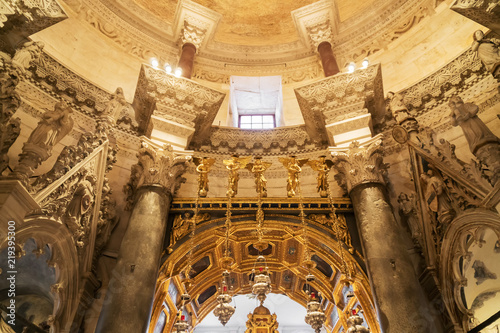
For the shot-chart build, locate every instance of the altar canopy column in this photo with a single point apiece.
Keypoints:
(399, 299)
(131, 288)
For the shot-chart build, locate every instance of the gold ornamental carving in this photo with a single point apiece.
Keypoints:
(360, 164)
(294, 169)
(257, 168)
(262, 321)
(181, 226)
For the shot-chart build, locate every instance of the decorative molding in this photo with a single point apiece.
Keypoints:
(486, 13)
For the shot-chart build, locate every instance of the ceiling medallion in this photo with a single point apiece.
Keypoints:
(224, 310)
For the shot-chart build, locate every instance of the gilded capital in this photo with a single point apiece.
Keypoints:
(359, 164)
(157, 166)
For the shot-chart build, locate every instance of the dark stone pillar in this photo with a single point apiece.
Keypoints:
(186, 61)
(399, 298)
(129, 299)
(328, 61)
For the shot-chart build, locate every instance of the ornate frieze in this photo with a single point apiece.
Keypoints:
(484, 12)
(359, 164)
(156, 166)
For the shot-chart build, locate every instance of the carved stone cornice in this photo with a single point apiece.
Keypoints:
(156, 166)
(339, 97)
(359, 164)
(25, 18)
(181, 102)
(486, 13)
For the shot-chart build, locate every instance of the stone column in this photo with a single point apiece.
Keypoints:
(399, 299)
(131, 288)
(321, 34)
(191, 37)
(328, 60)
(186, 61)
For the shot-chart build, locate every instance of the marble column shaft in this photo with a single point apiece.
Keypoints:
(186, 61)
(399, 298)
(132, 285)
(328, 60)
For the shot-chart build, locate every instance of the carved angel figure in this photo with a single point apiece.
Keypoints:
(181, 226)
(294, 169)
(408, 214)
(27, 55)
(203, 166)
(399, 110)
(257, 168)
(488, 50)
(322, 166)
(233, 165)
(53, 127)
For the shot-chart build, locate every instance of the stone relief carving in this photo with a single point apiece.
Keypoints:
(484, 12)
(53, 126)
(482, 142)
(27, 56)
(407, 209)
(488, 50)
(156, 166)
(319, 33)
(181, 226)
(360, 164)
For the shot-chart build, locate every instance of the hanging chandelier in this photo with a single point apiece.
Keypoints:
(315, 315)
(224, 310)
(181, 326)
(260, 279)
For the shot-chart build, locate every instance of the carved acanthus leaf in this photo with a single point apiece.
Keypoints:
(360, 164)
(319, 33)
(193, 34)
(156, 166)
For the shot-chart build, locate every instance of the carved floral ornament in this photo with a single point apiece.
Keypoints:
(192, 34)
(360, 164)
(319, 33)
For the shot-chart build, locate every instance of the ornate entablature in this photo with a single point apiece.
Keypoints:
(486, 13)
(340, 98)
(181, 106)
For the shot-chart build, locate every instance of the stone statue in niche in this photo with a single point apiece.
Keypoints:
(80, 204)
(438, 201)
(54, 126)
(409, 219)
(257, 168)
(322, 166)
(475, 131)
(294, 169)
(115, 105)
(27, 55)
(488, 50)
(203, 166)
(181, 226)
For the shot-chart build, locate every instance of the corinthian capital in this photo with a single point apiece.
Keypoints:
(157, 165)
(193, 34)
(319, 33)
(359, 164)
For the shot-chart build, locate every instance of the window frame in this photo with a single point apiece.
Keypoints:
(257, 114)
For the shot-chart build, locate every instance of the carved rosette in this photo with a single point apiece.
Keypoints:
(157, 166)
(192, 34)
(360, 164)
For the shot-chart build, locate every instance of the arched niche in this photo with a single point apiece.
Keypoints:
(470, 268)
(43, 236)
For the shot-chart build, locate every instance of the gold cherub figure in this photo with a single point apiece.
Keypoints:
(203, 167)
(294, 169)
(233, 165)
(322, 166)
(257, 168)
